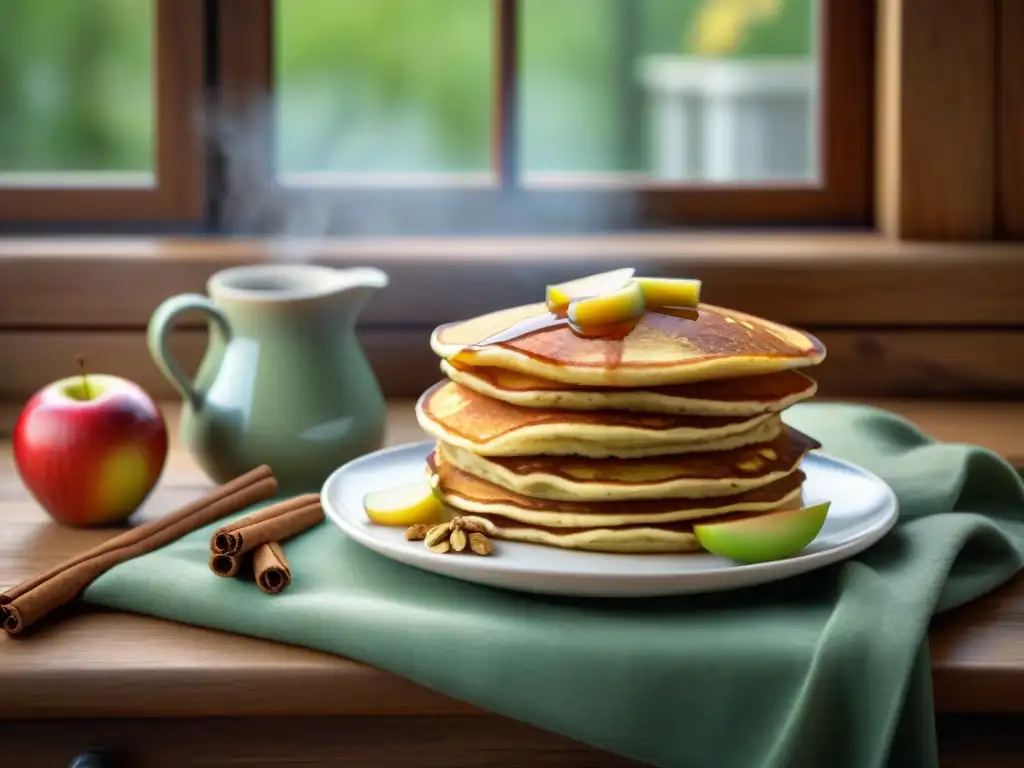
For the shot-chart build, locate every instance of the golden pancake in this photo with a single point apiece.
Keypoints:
(474, 495)
(459, 416)
(696, 475)
(746, 396)
(663, 347)
(664, 538)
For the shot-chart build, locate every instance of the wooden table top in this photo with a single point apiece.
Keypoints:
(122, 665)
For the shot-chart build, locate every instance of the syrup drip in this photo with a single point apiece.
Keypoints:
(609, 335)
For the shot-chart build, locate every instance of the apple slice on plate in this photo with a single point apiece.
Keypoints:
(762, 538)
(404, 505)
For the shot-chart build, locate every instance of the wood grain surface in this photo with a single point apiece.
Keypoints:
(468, 741)
(1010, 121)
(805, 279)
(861, 363)
(936, 119)
(121, 665)
(423, 742)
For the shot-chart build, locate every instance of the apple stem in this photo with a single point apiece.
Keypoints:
(85, 381)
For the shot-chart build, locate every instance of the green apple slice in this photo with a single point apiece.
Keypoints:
(762, 538)
(410, 504)
(559, 296)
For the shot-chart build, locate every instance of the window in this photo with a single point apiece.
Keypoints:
(718, 92)
(504, 115)
(402, 115)
(411, 116)
(77, 85)
(100, 104)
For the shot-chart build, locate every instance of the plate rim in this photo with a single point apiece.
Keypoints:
(754, 573)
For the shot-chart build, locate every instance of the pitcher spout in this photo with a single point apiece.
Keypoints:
(357, 285)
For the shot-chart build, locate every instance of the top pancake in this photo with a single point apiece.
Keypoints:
(664, 347)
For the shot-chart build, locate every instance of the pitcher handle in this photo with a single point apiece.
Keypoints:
(160, 326)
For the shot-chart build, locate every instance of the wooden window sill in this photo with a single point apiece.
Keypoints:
(813, 279)
(942, 320)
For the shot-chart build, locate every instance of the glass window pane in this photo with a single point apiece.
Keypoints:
(76, 86)
(395, 86)
(687, 91)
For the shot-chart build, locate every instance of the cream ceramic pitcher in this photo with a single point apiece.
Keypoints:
(284, 380)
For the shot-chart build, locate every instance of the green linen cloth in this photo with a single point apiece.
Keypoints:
(829, 668)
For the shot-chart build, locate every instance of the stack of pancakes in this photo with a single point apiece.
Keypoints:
(617, 443)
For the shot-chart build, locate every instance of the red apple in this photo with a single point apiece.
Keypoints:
(90, 448)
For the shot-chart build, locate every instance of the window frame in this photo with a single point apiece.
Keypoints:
(1010, 117)
(582, 201)
(177, 194)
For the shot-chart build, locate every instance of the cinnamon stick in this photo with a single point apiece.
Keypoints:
(275, 523)
(225, 565)
(271, 568)
(34, 598)
(140, 532)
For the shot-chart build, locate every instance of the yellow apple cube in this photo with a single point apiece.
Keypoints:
(560, 296)
(404, 505)
(669, 292)
(620, 306)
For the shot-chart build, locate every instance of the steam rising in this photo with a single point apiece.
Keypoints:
(253, 202)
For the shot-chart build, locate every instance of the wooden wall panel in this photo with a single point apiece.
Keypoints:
(806, 280)
(1010, 150)
(28, 360)
(860, 363)
(936, 119)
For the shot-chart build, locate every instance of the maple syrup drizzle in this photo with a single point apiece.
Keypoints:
(610, 333)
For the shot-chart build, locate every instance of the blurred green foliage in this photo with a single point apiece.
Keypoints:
(76, 88)
(404, 85)
(363, 85)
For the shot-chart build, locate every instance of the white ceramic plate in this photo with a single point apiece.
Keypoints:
(863, 510)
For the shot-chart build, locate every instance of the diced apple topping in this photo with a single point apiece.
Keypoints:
(560, 296)
(619, 306)
(598, 305)
(669, 292)
(404, 505)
